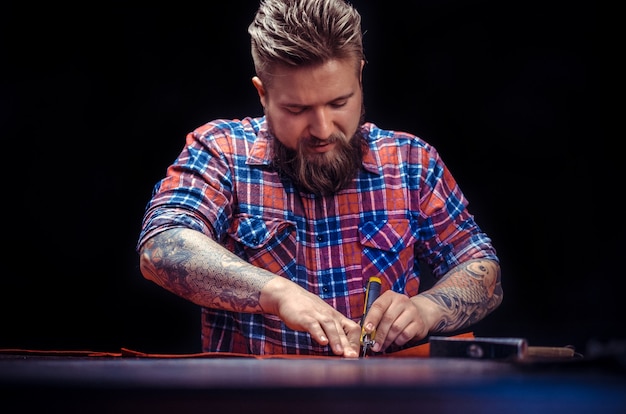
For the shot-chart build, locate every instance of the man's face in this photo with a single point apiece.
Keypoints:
(315, 112)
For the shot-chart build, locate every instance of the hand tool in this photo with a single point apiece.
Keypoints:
(371, 293)
(478, 348)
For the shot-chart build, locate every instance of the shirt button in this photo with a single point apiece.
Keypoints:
(320, 238)
(324, 289)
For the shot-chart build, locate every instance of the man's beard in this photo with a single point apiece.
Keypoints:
(321, 173)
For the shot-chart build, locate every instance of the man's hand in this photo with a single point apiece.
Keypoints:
(462, 297)
(304, 311)
(396, 319)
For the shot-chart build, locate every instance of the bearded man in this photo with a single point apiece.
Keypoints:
(273, 225)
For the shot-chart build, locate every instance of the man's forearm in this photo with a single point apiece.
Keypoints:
(195, 267)
(466, 294)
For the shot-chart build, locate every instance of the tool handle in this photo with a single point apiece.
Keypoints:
(371, 294)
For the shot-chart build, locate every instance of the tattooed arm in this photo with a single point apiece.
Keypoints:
(195, 267)
(198, 269)
(462, 297)
(465, 295)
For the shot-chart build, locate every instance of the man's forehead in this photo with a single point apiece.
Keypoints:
(332, 81)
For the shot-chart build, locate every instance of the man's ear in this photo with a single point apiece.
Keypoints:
(361, 71)
(260, 89)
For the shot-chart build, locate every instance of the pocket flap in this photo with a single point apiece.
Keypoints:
(255, 231)
(389, 235)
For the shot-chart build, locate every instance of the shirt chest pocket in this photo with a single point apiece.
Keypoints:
(388, 251)
(268, 243)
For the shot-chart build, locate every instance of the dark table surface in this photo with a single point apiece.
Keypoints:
(333, 385)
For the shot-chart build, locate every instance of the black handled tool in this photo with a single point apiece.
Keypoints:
(371, 293)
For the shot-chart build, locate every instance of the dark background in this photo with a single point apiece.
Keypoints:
(96, 101)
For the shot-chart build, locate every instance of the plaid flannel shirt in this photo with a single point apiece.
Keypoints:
(403, 206)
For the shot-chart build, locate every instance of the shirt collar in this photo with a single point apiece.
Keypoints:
(260, 153)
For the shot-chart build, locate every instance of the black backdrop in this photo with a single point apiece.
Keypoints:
(96, 101)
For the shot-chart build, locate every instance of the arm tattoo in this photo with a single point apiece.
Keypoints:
(182, 262)
(467, 293)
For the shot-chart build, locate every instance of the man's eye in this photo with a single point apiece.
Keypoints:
(338, 104)
(295, 111)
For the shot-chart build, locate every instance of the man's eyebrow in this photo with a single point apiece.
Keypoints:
(339, 98)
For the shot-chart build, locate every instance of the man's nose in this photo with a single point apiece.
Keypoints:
(321, 123)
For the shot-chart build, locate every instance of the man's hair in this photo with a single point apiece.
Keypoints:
(304, 33)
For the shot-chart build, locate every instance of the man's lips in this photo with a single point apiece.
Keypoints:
(321, 146)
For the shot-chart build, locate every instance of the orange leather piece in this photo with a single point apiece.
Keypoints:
(419, 351)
